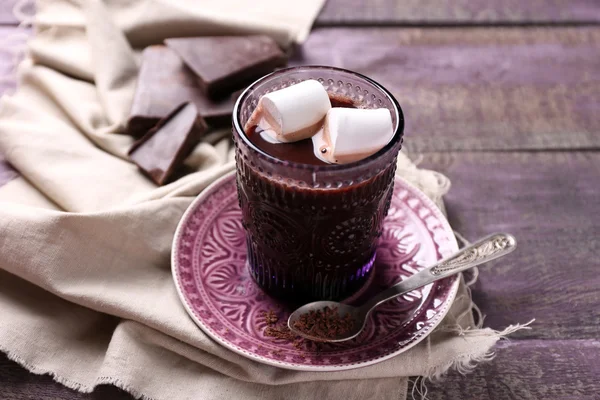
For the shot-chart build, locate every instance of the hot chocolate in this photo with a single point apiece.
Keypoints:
(311, 227)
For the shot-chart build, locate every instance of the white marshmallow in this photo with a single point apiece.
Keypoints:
(294, 113)
(351, 134)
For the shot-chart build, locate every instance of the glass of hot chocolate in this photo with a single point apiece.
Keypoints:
(315, 175)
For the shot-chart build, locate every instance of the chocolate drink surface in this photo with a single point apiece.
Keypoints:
(311, 228)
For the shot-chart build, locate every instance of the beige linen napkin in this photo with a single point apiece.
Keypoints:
(86, 293)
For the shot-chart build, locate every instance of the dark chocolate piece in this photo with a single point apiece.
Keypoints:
(235, 95)
(164, 148)
(164, 83)
(224, 64)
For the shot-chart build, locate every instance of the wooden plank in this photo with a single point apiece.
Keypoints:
(12, 42)
(435, 12)
(476, 88)
(529, 369)
(18, 384)
(458, 12)
(549, 201)
(523, 369)
(7, 16)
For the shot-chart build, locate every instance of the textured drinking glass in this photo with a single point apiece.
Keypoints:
(312, 231)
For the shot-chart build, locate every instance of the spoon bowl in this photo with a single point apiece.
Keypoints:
(342, 310)
(326, 313)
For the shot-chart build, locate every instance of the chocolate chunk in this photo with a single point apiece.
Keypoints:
(164, 148)
(164, 83)
(227, 63)
(236, 94)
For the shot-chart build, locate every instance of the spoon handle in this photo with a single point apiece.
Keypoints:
(482, 251)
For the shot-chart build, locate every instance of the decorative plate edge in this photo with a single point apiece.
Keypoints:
(300, 367)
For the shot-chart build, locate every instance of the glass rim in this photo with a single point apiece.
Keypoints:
(398, 134)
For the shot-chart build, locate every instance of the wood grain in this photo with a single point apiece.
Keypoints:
(12, 42)
(6, 14)
(434, 12)
(475, 88)
(549, 201)
(18, 384)
(522, 369)
(7, 17)
(529, 369)
(458, 12)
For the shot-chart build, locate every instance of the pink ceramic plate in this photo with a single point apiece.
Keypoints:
(209, 256)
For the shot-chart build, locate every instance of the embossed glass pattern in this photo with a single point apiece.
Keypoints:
(311, 231)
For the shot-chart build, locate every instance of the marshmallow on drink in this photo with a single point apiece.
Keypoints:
(351, 134)
(293, 113)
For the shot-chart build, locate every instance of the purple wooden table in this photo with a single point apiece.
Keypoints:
(509, 111)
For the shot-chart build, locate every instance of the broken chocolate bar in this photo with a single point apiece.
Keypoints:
(165, 147)
(224, 64)
(164, 83)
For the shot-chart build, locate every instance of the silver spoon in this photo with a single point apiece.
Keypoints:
(486, 249)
